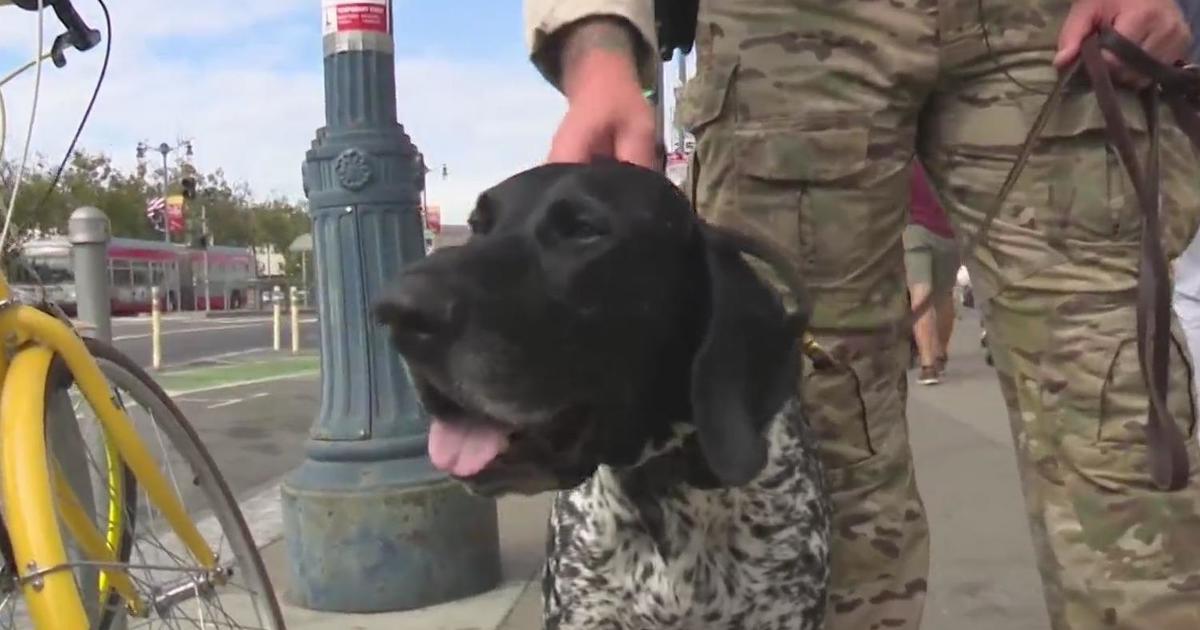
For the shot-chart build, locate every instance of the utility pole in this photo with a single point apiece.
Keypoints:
(681, 65)
(166, 217)
(207, 244)
(370, 525)
(164, 149)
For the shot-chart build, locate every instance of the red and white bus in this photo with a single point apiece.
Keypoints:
(134, 267)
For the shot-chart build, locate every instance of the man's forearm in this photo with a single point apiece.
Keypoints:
(578, 46)
(603, 34)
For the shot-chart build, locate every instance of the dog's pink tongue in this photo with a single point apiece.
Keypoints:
(464, 450)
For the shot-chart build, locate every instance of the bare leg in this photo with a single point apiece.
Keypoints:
(925, 329)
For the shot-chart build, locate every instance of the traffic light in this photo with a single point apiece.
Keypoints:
(189, 187)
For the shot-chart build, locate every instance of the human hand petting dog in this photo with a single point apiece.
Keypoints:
(607, 115)
(1157, 26)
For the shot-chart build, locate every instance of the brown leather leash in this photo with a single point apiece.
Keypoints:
(1179, 87)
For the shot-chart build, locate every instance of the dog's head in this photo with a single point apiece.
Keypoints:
(589, 314)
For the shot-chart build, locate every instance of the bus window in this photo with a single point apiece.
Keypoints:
(217, 278)
(122, 274)
(19, 273)
(141, 274)
(47, 269)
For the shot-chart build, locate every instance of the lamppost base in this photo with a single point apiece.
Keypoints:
(360, 541)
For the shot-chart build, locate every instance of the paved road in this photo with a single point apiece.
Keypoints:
(256, 432)
(253, 416)
(192, 337)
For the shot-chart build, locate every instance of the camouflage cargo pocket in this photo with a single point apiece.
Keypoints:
(779, 166)
(1086, 195)
(1091, 376)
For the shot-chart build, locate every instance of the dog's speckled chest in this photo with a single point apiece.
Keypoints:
(748, 558)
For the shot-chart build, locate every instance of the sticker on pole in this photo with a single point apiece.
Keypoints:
(677, 168)
(345, 16)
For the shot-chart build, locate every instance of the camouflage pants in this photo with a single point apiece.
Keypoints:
(807, 114)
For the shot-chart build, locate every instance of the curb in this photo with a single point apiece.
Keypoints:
(254, 313)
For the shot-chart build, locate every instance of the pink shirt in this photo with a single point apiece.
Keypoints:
(924, 207)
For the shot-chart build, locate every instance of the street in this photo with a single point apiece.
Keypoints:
(252, 412)
(254, 432)
(191, 337)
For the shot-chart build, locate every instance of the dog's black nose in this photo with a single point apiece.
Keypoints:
(421, 312)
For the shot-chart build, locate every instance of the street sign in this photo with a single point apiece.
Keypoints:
(342, 16)
(175, 220)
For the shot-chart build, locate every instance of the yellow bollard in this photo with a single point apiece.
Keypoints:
(276, 316)
(295, 304)
(155, 329)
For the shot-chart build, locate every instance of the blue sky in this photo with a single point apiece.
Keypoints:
(243, 80)
(463, 30)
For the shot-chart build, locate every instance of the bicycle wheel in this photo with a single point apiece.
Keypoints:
(176, 592)
(89, 458)
(110, 494)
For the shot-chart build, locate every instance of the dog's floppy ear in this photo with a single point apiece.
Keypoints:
(746, 366)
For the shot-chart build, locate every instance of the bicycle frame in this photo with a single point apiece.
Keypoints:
(35, 495)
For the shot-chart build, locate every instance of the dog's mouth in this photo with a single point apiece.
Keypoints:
(465, 442)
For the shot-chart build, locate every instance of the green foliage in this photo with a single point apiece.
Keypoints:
(234, 216)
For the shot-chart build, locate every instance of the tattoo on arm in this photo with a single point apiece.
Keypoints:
(600, 33)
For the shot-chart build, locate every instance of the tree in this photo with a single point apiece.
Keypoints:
(234, 217)
(277, 223)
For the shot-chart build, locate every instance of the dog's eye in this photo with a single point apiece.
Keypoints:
(581, 230)
(568, 224)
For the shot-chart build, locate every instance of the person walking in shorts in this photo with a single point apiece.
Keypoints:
(931, 262)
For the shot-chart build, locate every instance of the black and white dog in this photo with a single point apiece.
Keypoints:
(594, 336)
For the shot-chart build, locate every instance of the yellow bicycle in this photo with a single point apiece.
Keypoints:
(100, 529)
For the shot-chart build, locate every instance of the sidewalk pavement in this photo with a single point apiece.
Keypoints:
(983, 575)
